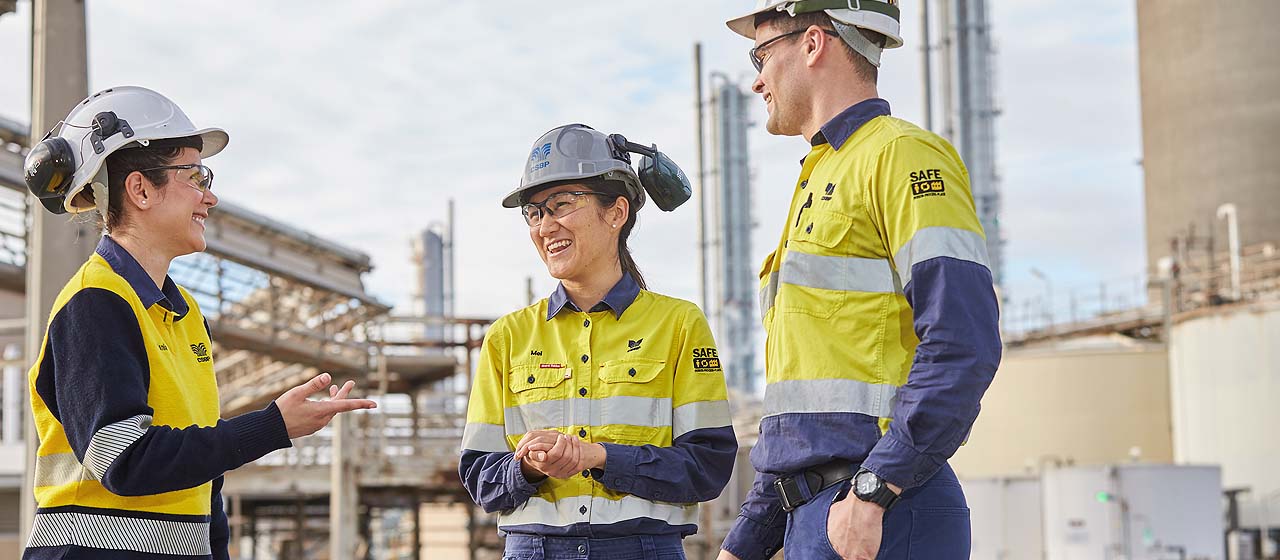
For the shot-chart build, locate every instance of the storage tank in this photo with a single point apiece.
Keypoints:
(1135, 512)
(1209, 73)
(1225, 378)
(1085, 401)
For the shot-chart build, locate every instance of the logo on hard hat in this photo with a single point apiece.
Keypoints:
(540, 153)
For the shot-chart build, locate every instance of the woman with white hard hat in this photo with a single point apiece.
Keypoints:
(598, 416)
(124, 397)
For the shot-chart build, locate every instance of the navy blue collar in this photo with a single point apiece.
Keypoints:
(619, 298)
(838, 130)
(169, 297)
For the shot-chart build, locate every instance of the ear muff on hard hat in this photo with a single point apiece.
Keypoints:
(578, 153)
(661, 178)
(48, 171)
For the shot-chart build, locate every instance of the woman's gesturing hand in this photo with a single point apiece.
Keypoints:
(303, 417)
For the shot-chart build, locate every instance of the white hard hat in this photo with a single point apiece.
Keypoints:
(62, 165)
(880, 16)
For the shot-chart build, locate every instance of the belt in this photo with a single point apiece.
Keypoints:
(814, 480)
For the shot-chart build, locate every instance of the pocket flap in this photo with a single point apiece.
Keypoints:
(631, 370)
(526, 377)
(824, 228)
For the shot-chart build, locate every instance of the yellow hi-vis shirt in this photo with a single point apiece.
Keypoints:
(639, 373)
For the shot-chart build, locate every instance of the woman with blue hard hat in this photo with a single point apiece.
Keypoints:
(598, 416)
(123, 394)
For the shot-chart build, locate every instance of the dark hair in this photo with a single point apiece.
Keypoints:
(136, 158)
(624, 253)
(862, 67)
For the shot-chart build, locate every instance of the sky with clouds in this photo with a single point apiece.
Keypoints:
(357, 121)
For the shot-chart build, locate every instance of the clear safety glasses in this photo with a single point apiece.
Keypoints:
(557, 205)
(197, 176)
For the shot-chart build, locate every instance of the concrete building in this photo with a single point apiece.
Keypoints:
(1209, 76)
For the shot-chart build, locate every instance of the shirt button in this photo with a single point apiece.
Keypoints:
(582, 391)
(586, 322)
(582, 549)
(809, 229)
(531, 380)
(583, 511)
(585, 358)
(586, 474)
(582, 432)
(631, 372)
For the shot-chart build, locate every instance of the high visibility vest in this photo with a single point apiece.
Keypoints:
(74, 507)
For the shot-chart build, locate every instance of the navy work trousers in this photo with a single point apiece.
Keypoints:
(930, 522)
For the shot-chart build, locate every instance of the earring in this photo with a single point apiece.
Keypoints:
(615, 226)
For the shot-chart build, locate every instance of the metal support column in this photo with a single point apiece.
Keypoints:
(55, 247)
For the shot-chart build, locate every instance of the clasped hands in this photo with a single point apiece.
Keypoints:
(544, 453)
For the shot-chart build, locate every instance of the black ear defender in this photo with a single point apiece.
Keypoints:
(659, 175)
(49, 169)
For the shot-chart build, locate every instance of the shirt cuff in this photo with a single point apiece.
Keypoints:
(260, 432)
(896, 462)
(749, 540)
(619, 467)
(519, 486)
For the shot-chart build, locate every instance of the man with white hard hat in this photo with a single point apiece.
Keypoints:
(878, 304)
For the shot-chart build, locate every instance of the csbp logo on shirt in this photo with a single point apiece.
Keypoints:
(201, 351)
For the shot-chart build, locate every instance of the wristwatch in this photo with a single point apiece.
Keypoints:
(869, 487)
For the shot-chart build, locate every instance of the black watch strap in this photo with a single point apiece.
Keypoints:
(883, 496)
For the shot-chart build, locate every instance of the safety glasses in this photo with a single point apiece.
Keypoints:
(557, 205)
(757, 54)
(196, 176)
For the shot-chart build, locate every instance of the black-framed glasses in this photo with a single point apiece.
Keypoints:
(557, 205)
(757, 53)
(201, 177)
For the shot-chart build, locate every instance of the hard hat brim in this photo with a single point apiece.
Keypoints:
(745, 25)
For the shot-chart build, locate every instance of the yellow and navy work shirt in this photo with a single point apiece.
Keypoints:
(125, 403)
(638, 373)
(880, 315)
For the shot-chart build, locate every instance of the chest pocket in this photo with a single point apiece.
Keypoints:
(823, 229)
(531, 383)
(538, 393)
(635, 421)
(812, 277)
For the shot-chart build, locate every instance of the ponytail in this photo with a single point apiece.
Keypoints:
(624, 253)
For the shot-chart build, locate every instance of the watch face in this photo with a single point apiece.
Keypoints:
(866, 483)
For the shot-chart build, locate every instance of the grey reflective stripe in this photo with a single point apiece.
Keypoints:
(110, 441)
(933, 242)
(600, 511)
(634, 411)
(850, 274)
(829, 395)
(768, 293)
(151, 536)
(484, 437)
(60, 468)
(698, 415)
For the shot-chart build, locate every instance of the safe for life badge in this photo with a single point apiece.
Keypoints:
(705, 360)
